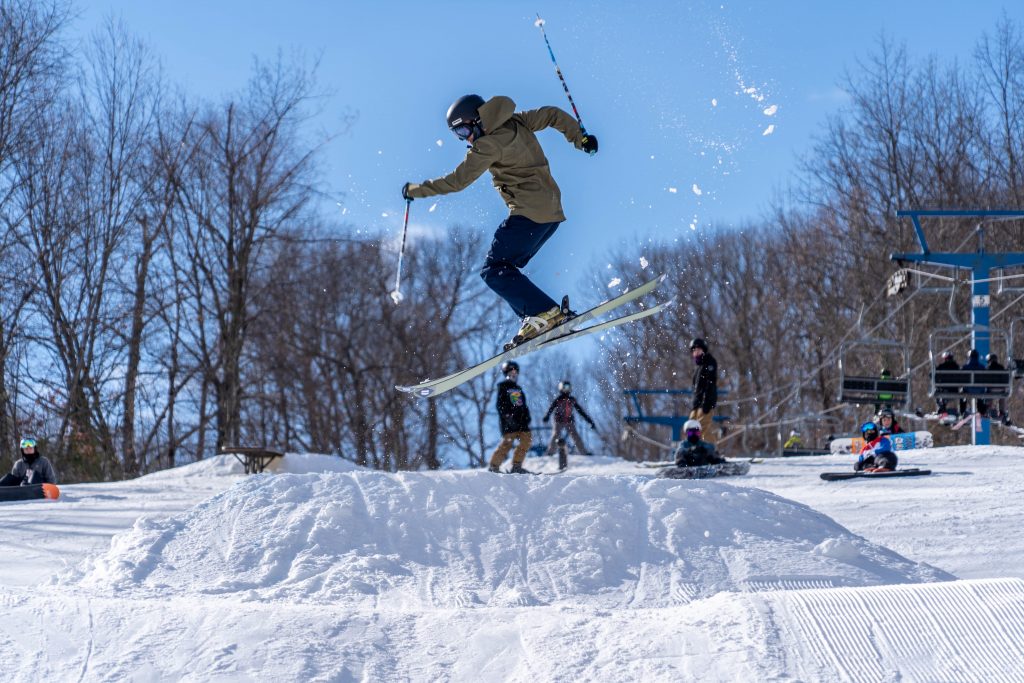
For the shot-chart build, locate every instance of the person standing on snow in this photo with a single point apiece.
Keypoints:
(876, 455)
(31, 468)
(565, 421)
(502, 141)
(705, 386)
(514, 420)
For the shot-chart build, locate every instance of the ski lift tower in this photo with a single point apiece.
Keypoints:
(980, 264)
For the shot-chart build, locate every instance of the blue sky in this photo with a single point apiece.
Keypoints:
(660, 83)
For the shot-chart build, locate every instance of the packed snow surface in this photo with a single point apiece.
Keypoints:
(325, 571)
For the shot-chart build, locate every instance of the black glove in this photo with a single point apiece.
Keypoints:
(405, 191)
(546, 418)
(590, 144)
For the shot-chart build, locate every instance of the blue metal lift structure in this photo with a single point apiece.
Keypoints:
(980, 264)
(676, 422)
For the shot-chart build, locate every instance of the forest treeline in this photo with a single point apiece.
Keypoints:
(172, 286)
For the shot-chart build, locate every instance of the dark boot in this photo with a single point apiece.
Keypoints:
(494, 468)
(518, 469)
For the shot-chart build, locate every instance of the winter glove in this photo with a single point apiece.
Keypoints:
(590, 144)
(407, 188)
(546, 418)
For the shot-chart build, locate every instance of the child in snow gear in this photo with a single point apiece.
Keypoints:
(31, 468)
(565, 420)
(887, 423)
(705, 385)
(502, 141)
(794, 441)
(514, 420)
(876, 455)
(694, 451)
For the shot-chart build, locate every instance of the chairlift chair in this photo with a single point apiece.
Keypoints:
(1016, 351)
(870, 389)
(966, 384)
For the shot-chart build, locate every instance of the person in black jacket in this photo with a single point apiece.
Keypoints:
(948, 362)
(992, 363)
(31, 468)
(563, 408)
(514, 420)
(705, 386)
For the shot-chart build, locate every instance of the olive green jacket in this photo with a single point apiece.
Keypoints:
(510, 151)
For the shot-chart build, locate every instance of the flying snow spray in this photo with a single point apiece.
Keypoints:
(396, 294)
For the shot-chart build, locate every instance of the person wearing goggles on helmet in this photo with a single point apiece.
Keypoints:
(514, 421)
(31, 468)
(503, 141)
(887, 423)
(694, 451)
(876, 455)
(564, 407)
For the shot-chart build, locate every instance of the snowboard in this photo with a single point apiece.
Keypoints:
(567, 331)
(900, 442)
(837, 476)
(30, 492)
(725, 469)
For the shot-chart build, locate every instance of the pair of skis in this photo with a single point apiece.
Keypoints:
(567, 331)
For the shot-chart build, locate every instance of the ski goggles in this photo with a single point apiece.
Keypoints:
(28, 443)
(692, 432)
(462, 131)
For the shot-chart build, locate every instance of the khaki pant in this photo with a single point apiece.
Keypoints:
(705, 424)
(568, 429)
(507, 440)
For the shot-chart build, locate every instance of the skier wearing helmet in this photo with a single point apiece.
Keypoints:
(564, 407)
(514, 421)
(31, 468)
(502, 141)
(876, 455)
(705, 385)
(887, 423)
(694, 451)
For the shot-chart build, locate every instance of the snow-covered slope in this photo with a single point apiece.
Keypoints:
(417, 541)
(604, 573)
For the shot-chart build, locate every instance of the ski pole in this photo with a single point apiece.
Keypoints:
(396, 295)
(540, 24)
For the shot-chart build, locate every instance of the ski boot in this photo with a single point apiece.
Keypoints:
(518, 469)
(535, 325)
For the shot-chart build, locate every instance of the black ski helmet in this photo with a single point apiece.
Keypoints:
(508, 366)
(565, 387)
(464, 115)
(699, 343)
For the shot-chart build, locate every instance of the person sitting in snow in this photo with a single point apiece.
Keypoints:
(695, 452)
(876, 455)
(887, 423)
(31, 468)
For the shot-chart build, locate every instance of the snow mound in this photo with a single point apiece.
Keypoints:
(412, 540)
(230, 466)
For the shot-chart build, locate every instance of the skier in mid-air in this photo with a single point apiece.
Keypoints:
(502, 141)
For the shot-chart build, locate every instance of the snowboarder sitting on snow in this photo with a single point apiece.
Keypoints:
(887, 423)
(695, 452)
(876, 455)
(502, 141)
(31, 468)
(565, 420)
(514, 420)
